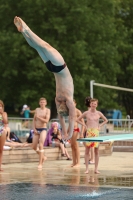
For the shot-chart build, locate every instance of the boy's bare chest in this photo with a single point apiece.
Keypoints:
(41, 113)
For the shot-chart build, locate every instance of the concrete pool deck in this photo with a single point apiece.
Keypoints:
(115, 171)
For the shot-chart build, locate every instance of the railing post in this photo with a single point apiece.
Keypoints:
(91, 88)
(128, 117)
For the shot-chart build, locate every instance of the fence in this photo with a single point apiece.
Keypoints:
(17, 125)
(114, 126)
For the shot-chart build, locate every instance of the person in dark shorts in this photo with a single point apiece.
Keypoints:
(55, 64)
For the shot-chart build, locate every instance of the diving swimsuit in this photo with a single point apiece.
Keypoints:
(1, 125)
(54, 68)
(39, 130)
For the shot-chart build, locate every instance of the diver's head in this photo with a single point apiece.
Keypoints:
(63, 110)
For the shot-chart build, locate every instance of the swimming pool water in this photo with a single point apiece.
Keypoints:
(29, 191)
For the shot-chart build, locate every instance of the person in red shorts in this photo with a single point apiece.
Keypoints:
(73, 141)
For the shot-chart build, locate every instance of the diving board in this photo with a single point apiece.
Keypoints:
(109, 138)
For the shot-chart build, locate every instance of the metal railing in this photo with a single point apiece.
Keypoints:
(114, 126)
(20, 126)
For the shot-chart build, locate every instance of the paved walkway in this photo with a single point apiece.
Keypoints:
(115, 171)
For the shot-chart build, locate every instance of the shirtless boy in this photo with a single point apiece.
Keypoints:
(76, 134)
(56, 64)
(92, 126)
(41, 118)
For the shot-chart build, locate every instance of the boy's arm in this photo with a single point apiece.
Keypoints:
(71, 108)
(46, 119)
(82, 120)
(104, 120)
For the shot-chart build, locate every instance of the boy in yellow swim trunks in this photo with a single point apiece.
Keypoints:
(92, 126)
(92, 132)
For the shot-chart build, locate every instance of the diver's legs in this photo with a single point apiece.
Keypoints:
(50, 53)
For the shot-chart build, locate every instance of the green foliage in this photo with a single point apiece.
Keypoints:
(124, 21)
(94, 37)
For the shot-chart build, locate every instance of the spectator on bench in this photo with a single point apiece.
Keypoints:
(54, 139)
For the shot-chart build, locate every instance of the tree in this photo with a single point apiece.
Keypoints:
(124, 21)
(85, 32)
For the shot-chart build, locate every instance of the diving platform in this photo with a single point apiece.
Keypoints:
(109, 138)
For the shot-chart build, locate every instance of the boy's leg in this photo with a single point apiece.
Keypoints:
(2, 142)
(92, 160)
(66, 152)
(96, 160)
(87, 151)
(35, 142)
(62, 148)
(41, 151)
(37, 48)
(75, 149)
(51, 53)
